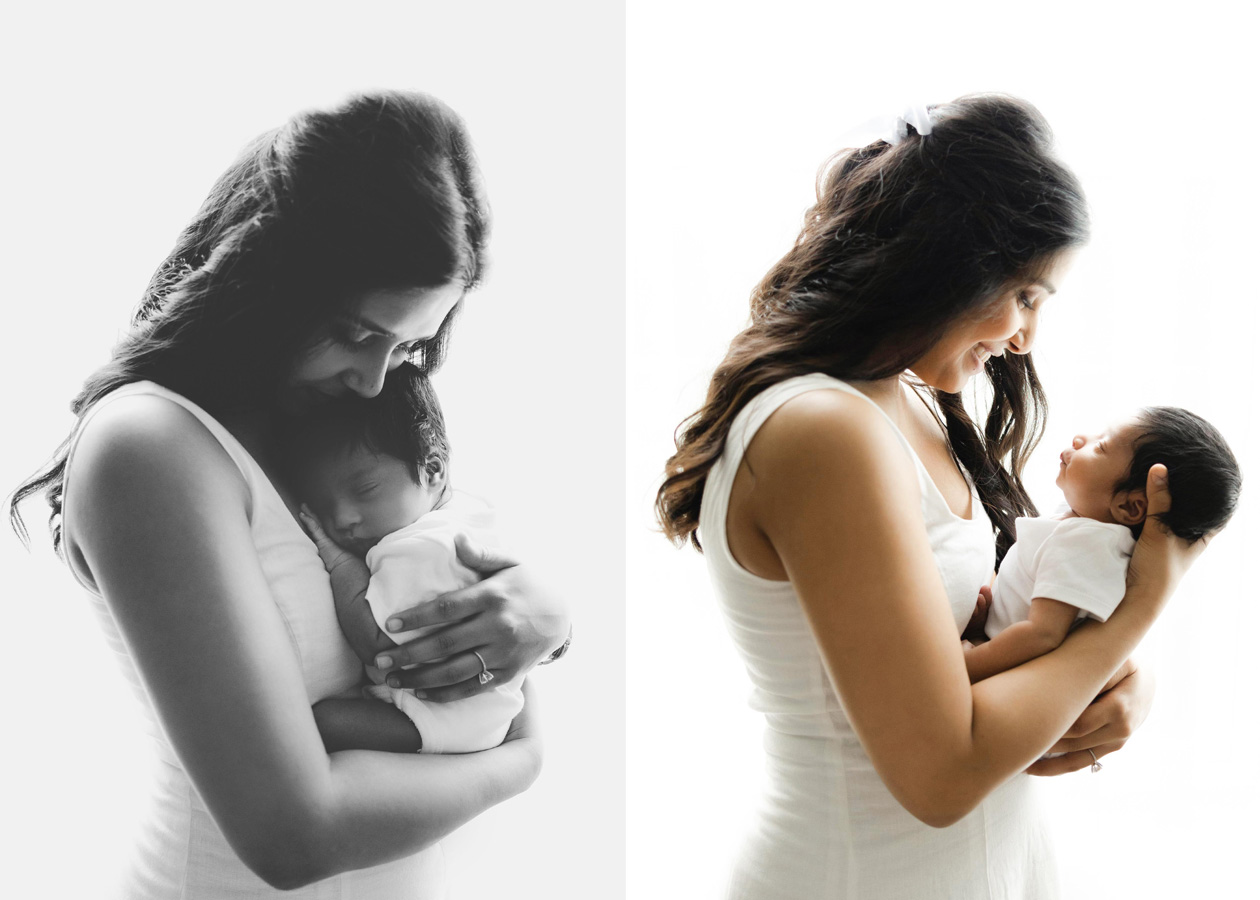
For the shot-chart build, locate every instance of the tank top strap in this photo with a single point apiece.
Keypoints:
(721, 478)
(255, 479)
(761, 407)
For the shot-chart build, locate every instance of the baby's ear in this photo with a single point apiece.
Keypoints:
(434, 470)
(1129, 507)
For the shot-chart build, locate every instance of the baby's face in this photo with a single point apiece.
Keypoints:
(360, 496)
(1091, 467)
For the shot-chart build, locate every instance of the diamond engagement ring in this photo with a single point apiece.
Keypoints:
(485, 676)
(1096, 767)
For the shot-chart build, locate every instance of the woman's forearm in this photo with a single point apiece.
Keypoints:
(370, 812)
(1018, 714)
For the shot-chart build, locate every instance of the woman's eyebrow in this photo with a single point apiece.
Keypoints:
(1041, 282)
(369, 325)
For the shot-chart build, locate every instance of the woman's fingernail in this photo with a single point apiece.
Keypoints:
(394, 624)
(384, 662)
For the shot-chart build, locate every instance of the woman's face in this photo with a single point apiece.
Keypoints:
(376, 333)
(1009, 324)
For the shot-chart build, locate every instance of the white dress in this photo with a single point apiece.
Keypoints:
(180, 853)
(827, 826)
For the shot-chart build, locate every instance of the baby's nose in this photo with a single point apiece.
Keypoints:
(345, 516)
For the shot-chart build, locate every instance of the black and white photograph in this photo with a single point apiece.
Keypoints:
(316, 356)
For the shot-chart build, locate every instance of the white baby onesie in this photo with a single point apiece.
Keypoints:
(415, 565)
(1078, 561)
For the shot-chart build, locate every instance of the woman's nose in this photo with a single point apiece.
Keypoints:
(367, 376)
(1023, 340)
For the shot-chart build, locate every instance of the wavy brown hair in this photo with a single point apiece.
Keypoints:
(903, 241)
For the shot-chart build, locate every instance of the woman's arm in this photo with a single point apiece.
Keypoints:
(837, 499)
(150, 486)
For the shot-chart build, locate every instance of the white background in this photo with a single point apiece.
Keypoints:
(117, 121)
(731, 109)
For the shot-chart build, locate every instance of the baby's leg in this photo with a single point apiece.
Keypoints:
(364, 725)
(459, 726)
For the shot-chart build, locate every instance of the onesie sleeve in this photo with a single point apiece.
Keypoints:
(409, 572)
(1084, 563)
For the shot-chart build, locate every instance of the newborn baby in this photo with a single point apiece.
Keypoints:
(1072, 565)
(384, 516)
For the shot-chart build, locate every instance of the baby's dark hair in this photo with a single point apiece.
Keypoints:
(1203, 475)
(403, 421)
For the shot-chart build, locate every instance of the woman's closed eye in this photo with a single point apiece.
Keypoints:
(351, 336)
(366, 490)
(1025, 300)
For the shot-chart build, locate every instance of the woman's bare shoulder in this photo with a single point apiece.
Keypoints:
(828, 428)
(142, 430)
(141, 452)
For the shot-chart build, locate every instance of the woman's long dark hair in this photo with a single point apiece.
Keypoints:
(382, 191)
(903, 241)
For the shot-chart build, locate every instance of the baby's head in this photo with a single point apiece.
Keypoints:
(1103, 476)
(367, 468)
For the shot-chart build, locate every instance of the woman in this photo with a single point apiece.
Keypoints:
(334, 248)
(848, 508)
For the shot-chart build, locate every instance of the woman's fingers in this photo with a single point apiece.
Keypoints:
(480, 558)
(453, 679)
(1158, 497)
(1072, 762)
(974, 631)
(437, 646)
(453, 607)
(449, 672)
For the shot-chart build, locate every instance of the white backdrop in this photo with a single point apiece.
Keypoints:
(117, 120)
(730, 110)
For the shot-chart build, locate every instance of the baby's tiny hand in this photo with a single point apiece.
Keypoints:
(331, 553)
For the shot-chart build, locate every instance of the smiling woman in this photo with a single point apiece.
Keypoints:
(379, 329)
(851, 511)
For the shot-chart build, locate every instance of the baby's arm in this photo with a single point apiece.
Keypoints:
(1048, 623)
(349, 576)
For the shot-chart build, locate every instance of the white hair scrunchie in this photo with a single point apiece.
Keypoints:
(892, 130)
(916, 115)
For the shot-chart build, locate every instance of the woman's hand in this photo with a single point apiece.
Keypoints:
(1160, 557)
(1106, 724)
(511, 622)
(974, 632)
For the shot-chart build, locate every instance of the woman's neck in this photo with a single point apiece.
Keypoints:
(888, 394)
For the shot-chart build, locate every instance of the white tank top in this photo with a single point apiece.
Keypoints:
(827, 826)
(180, 853)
